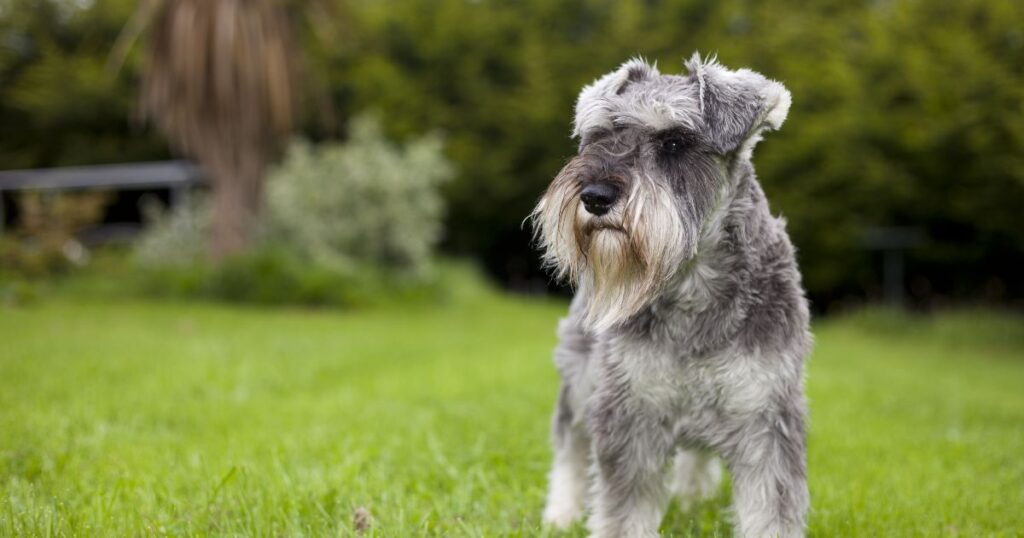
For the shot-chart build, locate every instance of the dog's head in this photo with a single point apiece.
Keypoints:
(629, 211)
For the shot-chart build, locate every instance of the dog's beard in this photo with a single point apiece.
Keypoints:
(620, 261)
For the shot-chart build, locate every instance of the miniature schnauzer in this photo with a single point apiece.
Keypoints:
(687, 334)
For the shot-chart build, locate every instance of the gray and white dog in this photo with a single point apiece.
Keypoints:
(687, 335)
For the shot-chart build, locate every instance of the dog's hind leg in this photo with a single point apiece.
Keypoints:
(695, 477)
(567, 485)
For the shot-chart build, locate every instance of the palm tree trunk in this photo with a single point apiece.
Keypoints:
(237, 188)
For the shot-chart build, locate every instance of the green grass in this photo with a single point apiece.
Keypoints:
(129, 417)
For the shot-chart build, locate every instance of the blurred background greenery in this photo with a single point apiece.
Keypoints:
(907, 113)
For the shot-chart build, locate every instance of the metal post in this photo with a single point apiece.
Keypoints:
(892, 276)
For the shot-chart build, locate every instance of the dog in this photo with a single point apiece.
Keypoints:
(687, 334)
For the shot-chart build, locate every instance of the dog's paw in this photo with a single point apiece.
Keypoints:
(560, 516)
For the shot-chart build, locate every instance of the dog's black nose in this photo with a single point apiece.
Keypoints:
(598, 198)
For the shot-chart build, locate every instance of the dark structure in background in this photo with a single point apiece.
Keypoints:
(171, 181)
(893, 243)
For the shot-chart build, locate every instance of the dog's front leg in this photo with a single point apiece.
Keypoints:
(632, 445)
(769, 474)
(567, 482)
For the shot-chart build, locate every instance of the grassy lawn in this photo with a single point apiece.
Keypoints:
(130, 417)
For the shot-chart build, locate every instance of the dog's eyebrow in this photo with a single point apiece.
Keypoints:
(671, 131)
(677, 131)
(595, 134)
(656, 108)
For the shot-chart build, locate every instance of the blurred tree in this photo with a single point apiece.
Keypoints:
(221, 81)
(58, 106)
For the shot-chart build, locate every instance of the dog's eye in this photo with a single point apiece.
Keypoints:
(673, 144)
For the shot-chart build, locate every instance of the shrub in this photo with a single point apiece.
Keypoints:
(177, 238)
(366, 202)
(43, 242)
(276, 276)
(344, 225)
(270, 275)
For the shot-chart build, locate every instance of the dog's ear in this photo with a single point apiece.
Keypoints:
(594, 106)
(737, 106)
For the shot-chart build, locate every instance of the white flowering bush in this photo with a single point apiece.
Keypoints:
(177, 238)
(365, 202)
(343, 224)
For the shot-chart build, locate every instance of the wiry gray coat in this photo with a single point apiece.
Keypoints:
(689, 329)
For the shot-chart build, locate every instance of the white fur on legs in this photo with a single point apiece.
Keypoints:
(636, 515)
(695, 477)
(565, 497)
(567, 485)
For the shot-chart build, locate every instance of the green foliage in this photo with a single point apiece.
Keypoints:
(905, 113)
(43, 242)
(17, 291)
(345, 225)
(176, 238)
(189, 419)
(59, 104)
(269, 275)
(364, 202)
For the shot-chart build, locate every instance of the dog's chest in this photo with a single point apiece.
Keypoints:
(665, 379)
(698, 394)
